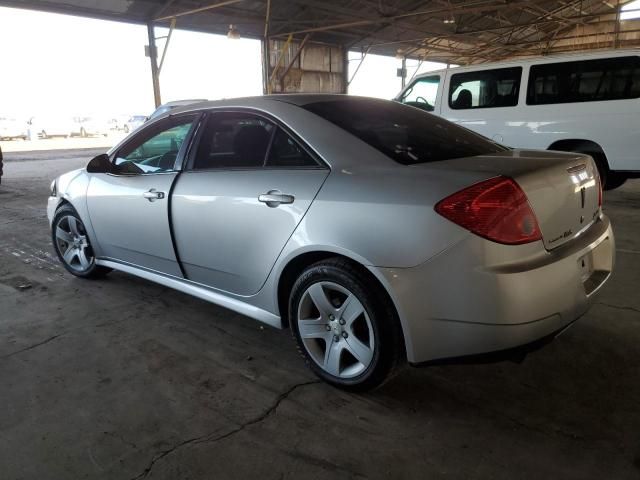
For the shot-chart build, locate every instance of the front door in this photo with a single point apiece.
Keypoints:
(234, 210)
(423, 94)
(129, 210)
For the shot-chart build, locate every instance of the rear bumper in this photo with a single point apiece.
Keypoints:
(479, 296)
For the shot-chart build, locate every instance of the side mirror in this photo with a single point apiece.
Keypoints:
(100, 164)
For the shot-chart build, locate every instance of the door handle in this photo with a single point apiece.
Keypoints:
(152, 195)
(273, 198)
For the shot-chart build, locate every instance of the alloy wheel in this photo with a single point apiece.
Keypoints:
(335, 329)
(73, 244)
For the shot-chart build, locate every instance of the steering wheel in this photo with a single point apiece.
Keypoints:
(421, 103)
(166, 161)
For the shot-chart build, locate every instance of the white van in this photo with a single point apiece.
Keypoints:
(587, 103)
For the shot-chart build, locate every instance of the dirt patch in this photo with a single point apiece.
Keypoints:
(21, 283)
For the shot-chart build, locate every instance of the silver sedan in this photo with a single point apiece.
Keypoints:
(377, 232)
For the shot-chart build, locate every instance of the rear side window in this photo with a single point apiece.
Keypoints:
(286, 152)
(233, 140)
(485, 89)
(584, 81)
(405, 134)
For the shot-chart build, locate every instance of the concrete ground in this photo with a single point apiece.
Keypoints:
(60, 143)
(124, 379)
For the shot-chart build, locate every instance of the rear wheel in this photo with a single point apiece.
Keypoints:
(344, 326)
(72, 245)
(614, 180)
(609, 179)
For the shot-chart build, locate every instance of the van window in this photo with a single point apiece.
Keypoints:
(485, 88)
(584, 81)
(422, 93)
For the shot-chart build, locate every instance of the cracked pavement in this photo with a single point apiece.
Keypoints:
(124, 379)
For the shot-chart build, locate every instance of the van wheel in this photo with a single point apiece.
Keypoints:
(614, 180)
(609, 179)
(344, 327)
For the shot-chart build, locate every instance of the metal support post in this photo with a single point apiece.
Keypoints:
(153, 55)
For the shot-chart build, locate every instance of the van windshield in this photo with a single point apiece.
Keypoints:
(406, 134)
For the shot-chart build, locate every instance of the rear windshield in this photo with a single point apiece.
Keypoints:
(406, 134)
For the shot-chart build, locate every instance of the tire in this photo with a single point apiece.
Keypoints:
(344, 325)
(126, 129)
(72, 245)
(83, 132)
(43, 135)
(609, 179)
(614, 180)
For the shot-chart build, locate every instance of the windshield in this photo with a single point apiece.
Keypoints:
(405, 134)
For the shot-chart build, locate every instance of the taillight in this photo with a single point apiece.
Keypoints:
(496, 209)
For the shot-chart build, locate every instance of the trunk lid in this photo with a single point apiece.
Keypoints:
(562, 188)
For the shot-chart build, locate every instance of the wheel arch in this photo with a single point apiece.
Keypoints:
(296, 265)
(80, 208)
(579, 145)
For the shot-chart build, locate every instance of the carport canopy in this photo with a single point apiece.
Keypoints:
(449, 31)
(456, 31)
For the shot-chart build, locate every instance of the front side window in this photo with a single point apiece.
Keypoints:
(405, 134)
(584, 81)
(233, 140)
(422, 93)
(156, 149)
(485, 89)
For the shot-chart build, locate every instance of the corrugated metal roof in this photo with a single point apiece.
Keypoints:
(458, 31)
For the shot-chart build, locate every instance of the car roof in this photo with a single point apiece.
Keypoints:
(311, 127)
(298, 99)
(177, 103)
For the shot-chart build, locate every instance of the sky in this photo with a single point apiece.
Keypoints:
(377, 77)
(632, 10)
(54, 64)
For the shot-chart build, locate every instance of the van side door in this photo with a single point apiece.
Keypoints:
(486, 101)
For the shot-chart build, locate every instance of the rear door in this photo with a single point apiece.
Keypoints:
(248, 185)
(129, 210)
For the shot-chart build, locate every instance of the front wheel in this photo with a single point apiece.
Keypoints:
(344, 326)
(72, 245)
